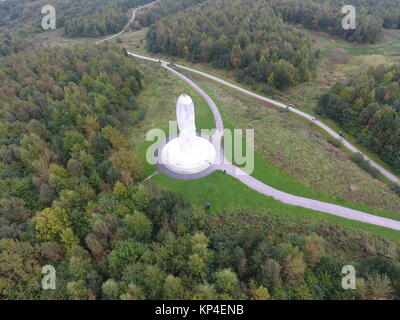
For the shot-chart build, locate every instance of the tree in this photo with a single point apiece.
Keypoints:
(172, 289)
(95, 246)
(115, 137)
(134, 292)
(47, 194)
(270, 274)
(139, 226)
(79, 268)
(205, 292)
(196, 267)
(120, 190)
(377, 287)
(141, 197)
(75, 168)
(19, 270)
(52, 250)
(125, 252)
(153, 278)
(236, 54)
(111, 289)
(258, 292)
(226, 281)
(14, 209)
(128, 164)
(69, 239)
(74, 141)
(50, 222)
(314, 248)
(293, 265)
(77, 290)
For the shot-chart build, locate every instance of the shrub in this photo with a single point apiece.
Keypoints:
(365, 165)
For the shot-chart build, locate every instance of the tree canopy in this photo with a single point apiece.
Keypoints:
(369, 108)
(242, 35)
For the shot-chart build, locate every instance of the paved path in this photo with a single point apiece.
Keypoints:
(128, 24)
(260, 186)
(334, 134)
(150, 176)
(309, 203)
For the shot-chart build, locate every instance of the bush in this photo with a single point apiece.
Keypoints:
(335, 143)
(395, 188)
(365, 165)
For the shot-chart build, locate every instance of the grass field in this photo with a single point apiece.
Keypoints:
(338, 61)
(223, 192)
(295, 147)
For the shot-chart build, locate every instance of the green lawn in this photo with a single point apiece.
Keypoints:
(304, 95)
(292, 155)
(226, 194)
(223, 192)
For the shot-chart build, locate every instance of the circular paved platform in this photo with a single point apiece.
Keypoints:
(213, 167)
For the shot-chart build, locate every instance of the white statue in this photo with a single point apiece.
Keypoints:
(186, 123)
(188, 153)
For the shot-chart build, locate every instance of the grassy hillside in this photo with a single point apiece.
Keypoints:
(225, 193)
(338, 61)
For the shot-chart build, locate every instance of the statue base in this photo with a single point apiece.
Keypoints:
(193, 159)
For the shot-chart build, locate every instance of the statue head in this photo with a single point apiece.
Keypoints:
(185, 117)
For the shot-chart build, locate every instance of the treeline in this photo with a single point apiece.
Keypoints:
(13, 42)
(326, 16)
(148, 16)
(369, 108)
(97, 18)
(11, 10)
(388, 10)
(13, 37)
(59, 149)
(242, 35)
(83, 18)
(103, 22)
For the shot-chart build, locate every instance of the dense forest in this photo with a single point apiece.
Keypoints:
(84, 18)
(148, 16)
(71, 197)
(13, 42)
(326, 16)
(13, 36)
(89, 18)
(369, 108)
(12, 10)
(323, 15)
(240, 35)
(388, 10)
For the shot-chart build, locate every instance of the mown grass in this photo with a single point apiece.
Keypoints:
(223, 192)
(226, 194)
(294, 147)
(305, 95)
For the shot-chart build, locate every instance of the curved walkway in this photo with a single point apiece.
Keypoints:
(129, 23)
(258, 185)
(309, 203)
(331, 132)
